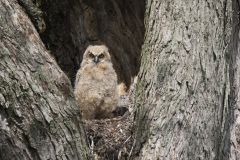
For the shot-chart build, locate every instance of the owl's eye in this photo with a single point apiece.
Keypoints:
(101, 56)
(91, 55)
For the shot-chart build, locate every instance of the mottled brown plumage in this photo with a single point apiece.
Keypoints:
(96, 84)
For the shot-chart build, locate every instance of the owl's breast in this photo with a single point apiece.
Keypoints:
(100, 72)
(98, 79)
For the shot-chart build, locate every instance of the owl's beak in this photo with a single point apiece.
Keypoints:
(96, 59)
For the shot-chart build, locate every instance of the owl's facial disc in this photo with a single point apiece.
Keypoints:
(96, 59)
(91, 55)
(101, 56)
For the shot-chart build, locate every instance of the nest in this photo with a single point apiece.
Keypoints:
(110, 139)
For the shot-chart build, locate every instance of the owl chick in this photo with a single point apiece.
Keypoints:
(96, 84)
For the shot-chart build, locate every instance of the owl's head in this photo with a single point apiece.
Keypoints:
(96, 54)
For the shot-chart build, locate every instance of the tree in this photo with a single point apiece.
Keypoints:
(188, 90)
(66, 28)
(39, 118)
(186, 102)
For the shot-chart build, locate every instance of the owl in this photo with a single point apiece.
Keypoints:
(96, 84)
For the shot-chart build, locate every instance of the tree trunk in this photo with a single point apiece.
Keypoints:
(182, 96)
(234, 60)
(39, 118)
(187, 98)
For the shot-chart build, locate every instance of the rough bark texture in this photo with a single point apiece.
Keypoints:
(187, 96)
(71, 25)
(183, 88)
(234, 60)
(39, 118)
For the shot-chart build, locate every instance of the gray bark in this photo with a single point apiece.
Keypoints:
(234, 60)
(39, 118)
(182, 96)
(187, 97)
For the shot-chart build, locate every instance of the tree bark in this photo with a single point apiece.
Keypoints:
(39, 118)
(182, 96)
(234, 60)
(187, 97)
